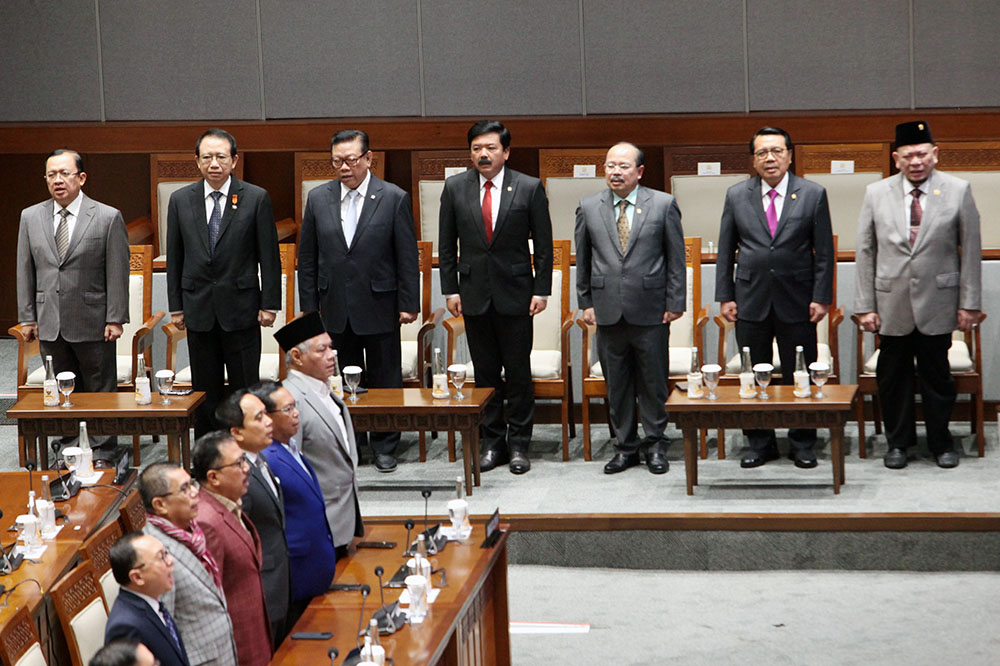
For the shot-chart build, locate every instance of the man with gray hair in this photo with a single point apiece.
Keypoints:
(326, 436)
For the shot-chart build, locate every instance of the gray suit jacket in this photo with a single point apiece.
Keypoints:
(333, 459)
(645, 280)
(921, 287)
(77, 297)
(197, 606)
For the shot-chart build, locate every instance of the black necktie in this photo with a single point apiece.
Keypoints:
(171, 627)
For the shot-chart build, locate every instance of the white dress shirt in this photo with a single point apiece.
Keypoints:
(321, 389)
(74, 214)
(908, 197)
(779, 201)
(223, 200)
(497, 181)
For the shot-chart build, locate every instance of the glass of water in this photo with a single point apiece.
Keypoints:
(820, 372)
(762, 373)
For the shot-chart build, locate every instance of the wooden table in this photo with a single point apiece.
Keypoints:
(783, 410)
(414, 409)
(468, 623)
(88, 510)
(105, 414)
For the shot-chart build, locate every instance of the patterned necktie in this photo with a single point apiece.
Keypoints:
(62, 235)
(171, 627)
(350, 221)
(214, 222)
(916, 215)
(488, 211)
(623, 230)
(772, 213)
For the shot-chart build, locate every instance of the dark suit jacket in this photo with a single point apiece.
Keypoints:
(786, 272)
(372, 281)
(237, 551)
(224, 287)
(268, 516)
(132, 618)
(310, 544)
(499, 272)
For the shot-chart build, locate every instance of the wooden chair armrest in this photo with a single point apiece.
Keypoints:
(977, 347)
(143, 339)
(25, 350)
(455, 326)
(700, 320)
(724, 328)
(140, 231)
(288, 230)
(588, 331)
(174, 335)
(859, 347)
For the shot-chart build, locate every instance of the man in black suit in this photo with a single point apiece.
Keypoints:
(488, 215)
(358, 267)
(220, 233)
(783, 285)
(144, 569)
(243, 414)
(123, 653)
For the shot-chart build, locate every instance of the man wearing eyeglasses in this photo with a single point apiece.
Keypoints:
(197, 601)
(358, 268)
(630, 277)
(779, 224)
(220, 235)
(221, 469)
(72, 276)
(243, 415)
(143, 568)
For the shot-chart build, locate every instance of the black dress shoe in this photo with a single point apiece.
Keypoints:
(804, 458)
(385, 462)
(895, 459)
(491, 459)
(621, 462)
(947, 459)
(757, 458)
(519, 463)
(656, 462)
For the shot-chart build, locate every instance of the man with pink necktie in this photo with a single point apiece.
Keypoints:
(782, 284)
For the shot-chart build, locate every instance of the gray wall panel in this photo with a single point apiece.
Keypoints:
(516, 57)
(851, 54)
(174, 61)
(359, 59)
(655, 57)
(49, 55)
(955, 53)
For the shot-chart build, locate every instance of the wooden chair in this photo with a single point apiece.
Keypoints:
(965, 359)
(429, 169)
(312, 169)
(551, 369)
(96, 550)
(557, 170)
(686, 333)
(19, 641)
(417, 338)
(827, 347)
(80, 606)
(272, 361)
(132, 514)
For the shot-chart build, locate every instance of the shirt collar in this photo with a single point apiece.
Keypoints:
(632, 196)
(74, 206)
(362, 189)
(781, 187)
(497, 180)
(153, 602)
(315, 385)
(924, 187)
(232, 506)
(224, 189)
(251, 456)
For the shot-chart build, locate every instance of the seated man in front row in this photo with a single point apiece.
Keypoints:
(326, 436)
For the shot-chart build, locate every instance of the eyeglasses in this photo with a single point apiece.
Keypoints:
(764, 152)
(207, 158)
(52, 175)
(349, 161)
(162, 555)
(242, 461)
(287, 409)
(624, 166)
(184, 489)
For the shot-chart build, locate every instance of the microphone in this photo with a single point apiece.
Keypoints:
(9, 564)
(30, 466)
(409, 526)
(378, 572)
(389, 619)
(426, 492)
(333, 653)
(354, 656)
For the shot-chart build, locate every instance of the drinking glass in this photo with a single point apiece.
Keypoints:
(456, 375)
(710, 374)
(820, 373)
(352, 377)
(762, 372)
(67, 382)
(164, 381)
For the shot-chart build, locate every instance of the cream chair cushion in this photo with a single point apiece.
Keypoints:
(846, 194)
(163, 192)
(409, 359)
(959, 358)
(564, 196)
(701, 199)
(430, 209)
(88, 627)
(307, 187)
(986, 191)
(33, 656)
(110, 587)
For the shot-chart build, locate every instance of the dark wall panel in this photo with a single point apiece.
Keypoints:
(516, 57)
(955, 53)
(180, 60)
(49, 56)
(851, 54)
(651, 56)
(352, 59)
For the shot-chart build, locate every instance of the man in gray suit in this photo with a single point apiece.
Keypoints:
(197, 601)
(918, 279)
(72, 276)
(326, 436)
(783, 285)
(631, 282)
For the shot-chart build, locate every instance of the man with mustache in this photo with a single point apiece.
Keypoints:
(488, 216)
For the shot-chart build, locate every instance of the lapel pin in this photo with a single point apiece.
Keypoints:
(794, 195)
(937, 193)
(235, 200)
(639, 211)
(510, 189)
(373, 196)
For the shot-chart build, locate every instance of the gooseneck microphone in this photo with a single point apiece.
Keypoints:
(354, 656)
(409, 526)
(333, 653)
(381, 595)
(426, 492)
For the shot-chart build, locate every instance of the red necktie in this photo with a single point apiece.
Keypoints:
(488, 212)
(916, 216)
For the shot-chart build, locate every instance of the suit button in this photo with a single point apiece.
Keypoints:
(772, 270)
(772, 247)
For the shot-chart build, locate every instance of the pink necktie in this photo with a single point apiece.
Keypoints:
(772, 213)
